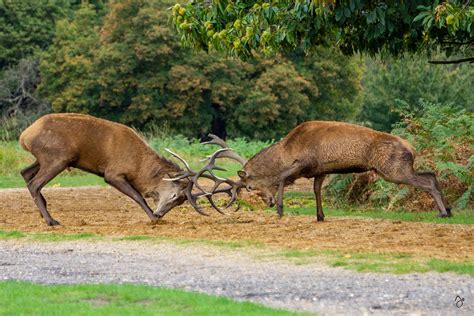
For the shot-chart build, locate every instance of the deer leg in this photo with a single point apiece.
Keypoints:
(318, 182)
(432, 176)
(427, 183)
(38, 181)
(421, 181)
(280, 192)
(281, 187)
(123, 186)
(29, 172)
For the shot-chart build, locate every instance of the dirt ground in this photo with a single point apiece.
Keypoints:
(104, 211)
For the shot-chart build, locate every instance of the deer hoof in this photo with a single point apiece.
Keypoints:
(320, 218)
(448, 210)
(52, 222)
(155, 219)
(444, 214)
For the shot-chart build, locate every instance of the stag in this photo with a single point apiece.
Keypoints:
(318, 148)
(119, 155)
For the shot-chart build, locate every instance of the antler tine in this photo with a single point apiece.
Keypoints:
(216, 140)
(192, 199)
(192, 172)
(209, 167)
(232, 155)
(232, 191)
(187, 174)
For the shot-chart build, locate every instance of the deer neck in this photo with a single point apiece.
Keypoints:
(152, 171)
(268, 164)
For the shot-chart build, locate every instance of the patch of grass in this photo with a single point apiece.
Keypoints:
(78, 180)
(22, 298)
(60, 237)
(397, 263)
(438, 265)
(46, 236)
(11, 234)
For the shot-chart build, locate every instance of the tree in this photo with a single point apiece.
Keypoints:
(242, 27)
(69, 76)
(19, 102)
(27, 26)
(128, 66)
(395, 84)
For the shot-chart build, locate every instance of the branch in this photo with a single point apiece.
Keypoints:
(455, 61)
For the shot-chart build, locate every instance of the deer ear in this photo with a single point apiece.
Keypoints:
(242, 174)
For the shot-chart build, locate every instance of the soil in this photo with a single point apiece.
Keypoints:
(104, 211)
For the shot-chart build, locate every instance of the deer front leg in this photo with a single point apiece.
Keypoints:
(280, 192)
(318, 182)
(281, 186)
(126, 188)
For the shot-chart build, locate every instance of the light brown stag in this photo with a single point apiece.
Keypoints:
(317, 148)
(119, 155)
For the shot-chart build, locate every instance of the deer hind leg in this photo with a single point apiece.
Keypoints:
(424, 181)
(45, 174)
(432, 177)
(427, 181)
(318, 182)
(29, 172)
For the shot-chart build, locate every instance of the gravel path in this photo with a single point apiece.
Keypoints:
(236, 274)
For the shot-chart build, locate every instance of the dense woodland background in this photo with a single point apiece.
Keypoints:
(123, 60)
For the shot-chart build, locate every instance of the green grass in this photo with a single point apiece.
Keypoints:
(11, 234)
(22, 298)
(383, 263)
(78, 180)
(46, 236)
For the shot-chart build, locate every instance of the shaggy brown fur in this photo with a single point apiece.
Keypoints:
(101, 147)
(317, 148)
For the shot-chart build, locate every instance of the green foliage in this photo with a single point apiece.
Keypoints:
(68, 78)
(393, 84)
(128, 67)
(22, 298)
(442, 135)
(27, 26)
(242, 27)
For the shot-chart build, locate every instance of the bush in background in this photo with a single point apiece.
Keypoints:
(19, 102)
(409, 79)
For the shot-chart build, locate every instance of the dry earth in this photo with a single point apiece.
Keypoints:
(104, 211)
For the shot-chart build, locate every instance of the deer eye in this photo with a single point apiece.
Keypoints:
(173, 196)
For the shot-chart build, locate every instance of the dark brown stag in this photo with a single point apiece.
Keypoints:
(119, 155)
(315, 149)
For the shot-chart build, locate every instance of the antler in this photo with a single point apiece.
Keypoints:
(189, 173)
(207, 172)
(225, 152)
(194, 176)
(216, 140)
